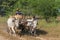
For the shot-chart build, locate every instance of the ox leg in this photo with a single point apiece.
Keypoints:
(30, 30)
(10, 30)
(33, 31)
(13, 30)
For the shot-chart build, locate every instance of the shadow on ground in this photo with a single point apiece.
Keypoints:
(25, 31)
(38, 32)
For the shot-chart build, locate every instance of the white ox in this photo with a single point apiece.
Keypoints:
(32, 23)
(12, 23)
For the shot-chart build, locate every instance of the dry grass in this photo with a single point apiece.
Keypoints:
(3, 19)
(52, 29)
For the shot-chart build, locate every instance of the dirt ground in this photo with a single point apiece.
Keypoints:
(43, 33)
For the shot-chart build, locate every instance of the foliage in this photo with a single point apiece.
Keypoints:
(45, 8)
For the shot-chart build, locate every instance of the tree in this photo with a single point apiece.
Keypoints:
(45, 8)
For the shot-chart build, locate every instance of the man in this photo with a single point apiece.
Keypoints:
(18, 12)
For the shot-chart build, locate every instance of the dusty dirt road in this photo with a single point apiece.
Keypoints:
(3, 38)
